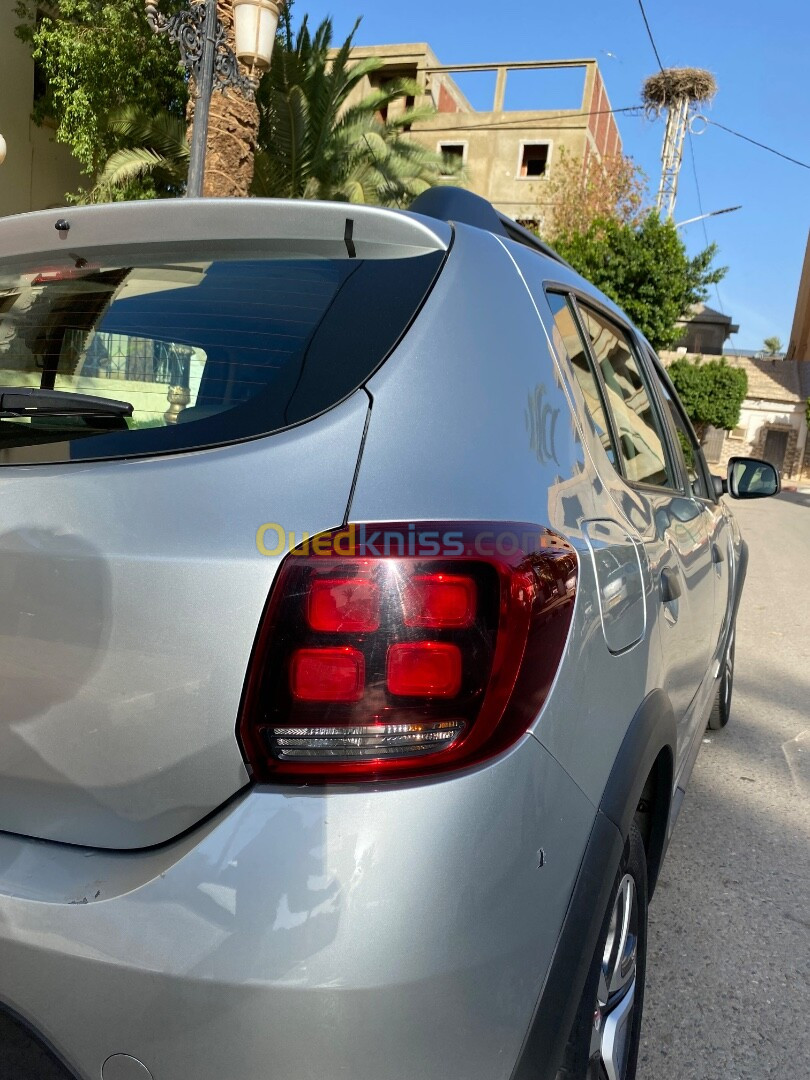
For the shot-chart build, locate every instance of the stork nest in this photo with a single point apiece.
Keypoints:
(668, 87)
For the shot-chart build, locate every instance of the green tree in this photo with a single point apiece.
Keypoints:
(645, 269)
(96, 55)
(315, 144)
(712, 392)
(772, 345)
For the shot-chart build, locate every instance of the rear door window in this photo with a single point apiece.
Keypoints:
(204, 353)
(568, 341)
(638, 426)
(685, 439)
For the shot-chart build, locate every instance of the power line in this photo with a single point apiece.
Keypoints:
(554, 121)
(650, 33)
(697, 185)
(720, 304)
(755, 142)
(692, 156)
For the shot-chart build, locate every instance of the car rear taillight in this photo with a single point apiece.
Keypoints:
(401, 650)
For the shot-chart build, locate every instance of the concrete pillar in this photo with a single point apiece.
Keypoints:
(500, 89)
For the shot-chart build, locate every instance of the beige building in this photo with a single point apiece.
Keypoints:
(37, 171)
(799, 344)
(508, 155)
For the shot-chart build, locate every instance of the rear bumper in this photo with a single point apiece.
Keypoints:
(371, 934)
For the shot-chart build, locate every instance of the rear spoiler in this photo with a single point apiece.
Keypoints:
(117, 233)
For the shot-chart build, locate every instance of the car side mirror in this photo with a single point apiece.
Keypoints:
(751, 478)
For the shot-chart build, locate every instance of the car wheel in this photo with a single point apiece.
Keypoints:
(721, 709)
(604, 1039)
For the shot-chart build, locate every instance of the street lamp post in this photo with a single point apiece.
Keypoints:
(712, 213)
(204, 50)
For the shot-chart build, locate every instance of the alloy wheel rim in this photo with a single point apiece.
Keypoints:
(615, 999)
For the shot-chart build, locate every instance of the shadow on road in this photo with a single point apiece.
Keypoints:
(798, 497)
(729, 945)
(726, 974)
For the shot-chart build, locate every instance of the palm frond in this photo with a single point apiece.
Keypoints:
(153, 147)
(316, 141)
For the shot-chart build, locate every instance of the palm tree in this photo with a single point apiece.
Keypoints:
(773, 346)
(152, 160)
(313, 144)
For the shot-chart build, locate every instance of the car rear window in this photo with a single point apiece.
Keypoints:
(205, 353)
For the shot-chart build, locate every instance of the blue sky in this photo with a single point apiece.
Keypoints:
(758, 53)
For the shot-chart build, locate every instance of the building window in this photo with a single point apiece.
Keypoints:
(533, 160)
(455, 157)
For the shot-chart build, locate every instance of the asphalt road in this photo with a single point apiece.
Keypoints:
(728, 985)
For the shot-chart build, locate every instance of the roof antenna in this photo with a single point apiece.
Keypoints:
(348, 239)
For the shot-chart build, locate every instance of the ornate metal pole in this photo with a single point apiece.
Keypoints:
(210, 61)
(204, 90)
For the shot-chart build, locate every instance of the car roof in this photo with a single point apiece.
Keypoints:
(465, 207)
(459, 206)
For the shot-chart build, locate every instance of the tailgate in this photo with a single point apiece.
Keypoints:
(131, 595)
(173, 377)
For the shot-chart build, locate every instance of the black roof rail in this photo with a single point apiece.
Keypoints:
(458, 204)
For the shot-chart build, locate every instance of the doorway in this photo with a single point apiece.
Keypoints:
(775, 448)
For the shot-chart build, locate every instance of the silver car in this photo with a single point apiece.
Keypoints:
(365, 595)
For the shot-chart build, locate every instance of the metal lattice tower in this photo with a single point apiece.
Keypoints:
(672, 155)
(676, 92)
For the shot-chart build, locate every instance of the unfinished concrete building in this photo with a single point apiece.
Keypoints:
(508, 154)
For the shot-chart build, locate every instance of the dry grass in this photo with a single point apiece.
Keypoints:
(664, 89)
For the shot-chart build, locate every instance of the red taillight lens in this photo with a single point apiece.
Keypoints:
(344, 605)
(424, 669)
(373, 665)
(440, 601)
(327, 674)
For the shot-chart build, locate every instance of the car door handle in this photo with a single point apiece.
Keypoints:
(717, 555)
(670, 586)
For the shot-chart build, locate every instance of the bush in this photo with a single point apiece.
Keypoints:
(712, 392)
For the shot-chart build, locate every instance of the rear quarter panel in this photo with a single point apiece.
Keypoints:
(473, 421)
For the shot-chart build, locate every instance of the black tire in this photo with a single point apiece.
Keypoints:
(721, 709)
(583, 1053)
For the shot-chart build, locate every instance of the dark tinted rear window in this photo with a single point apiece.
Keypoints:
(206, 353)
